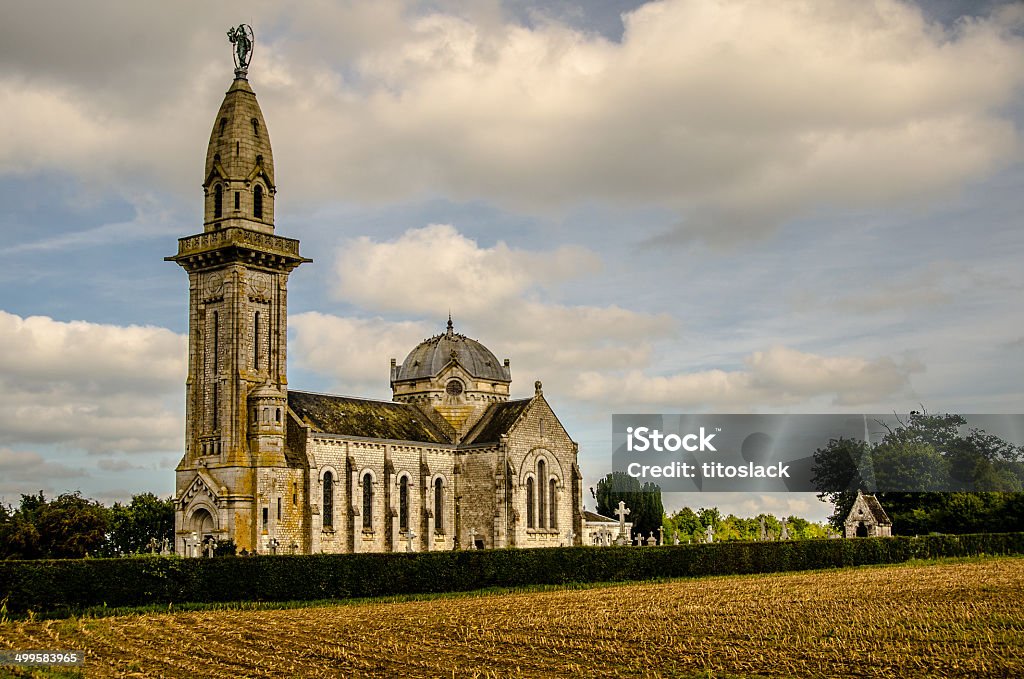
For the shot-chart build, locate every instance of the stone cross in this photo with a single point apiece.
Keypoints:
(622, 512)
(709, 534)
(152, 545)
(675, 538)
(472, 538)
(785, 530)
(210, 544)
(661, 535)
(409, 537)
(165, 547)
(273, 545)
(570, 535)
(764, 532)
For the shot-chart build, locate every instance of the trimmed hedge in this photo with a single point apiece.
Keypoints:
(58, 584)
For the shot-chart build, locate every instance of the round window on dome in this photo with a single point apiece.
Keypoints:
(453, 388)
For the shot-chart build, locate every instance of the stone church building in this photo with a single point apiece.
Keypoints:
(451, 462)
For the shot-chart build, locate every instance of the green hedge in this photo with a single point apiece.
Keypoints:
(74, 584)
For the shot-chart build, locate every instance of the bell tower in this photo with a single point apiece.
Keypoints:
(236, 391)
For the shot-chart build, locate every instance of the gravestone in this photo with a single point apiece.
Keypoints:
(152, 545)
(651, 540)
(709, 535)
(763, 535)
(785, 529)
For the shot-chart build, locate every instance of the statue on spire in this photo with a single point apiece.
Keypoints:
(242, 39)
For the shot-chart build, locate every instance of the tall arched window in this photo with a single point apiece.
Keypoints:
(256, 342)
(529, 504)
(257, 202)
(541, 503)
(328, 500)
(218, 201)
(438, 506)
(403, 503)
(553, 503)
(367, 502)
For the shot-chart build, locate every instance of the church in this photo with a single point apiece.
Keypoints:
(451, 462)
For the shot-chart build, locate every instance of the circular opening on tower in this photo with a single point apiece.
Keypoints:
(453, 388)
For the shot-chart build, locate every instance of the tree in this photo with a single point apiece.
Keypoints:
(982, 472)
(646, 510)
(132, 526)
(71, 526)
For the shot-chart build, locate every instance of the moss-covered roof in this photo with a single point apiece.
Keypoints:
(350, 416)
(498, 419)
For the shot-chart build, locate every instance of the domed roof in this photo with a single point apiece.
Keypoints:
(431, 356)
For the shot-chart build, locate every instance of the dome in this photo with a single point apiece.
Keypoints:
(433, 354)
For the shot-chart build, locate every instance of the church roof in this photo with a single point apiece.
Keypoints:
(366, 418)
(496, 420)
(598, 518)
(431, 356)
(874, 507)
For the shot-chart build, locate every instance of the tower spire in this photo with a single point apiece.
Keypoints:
(451, 326)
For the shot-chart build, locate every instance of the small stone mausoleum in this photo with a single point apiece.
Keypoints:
(867, 519)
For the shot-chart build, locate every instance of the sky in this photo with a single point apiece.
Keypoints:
(682, 206)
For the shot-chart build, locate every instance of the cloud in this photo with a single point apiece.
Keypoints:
(734, 115)
(103, 388)
(21, 470)
(776, 377)
(497, 294)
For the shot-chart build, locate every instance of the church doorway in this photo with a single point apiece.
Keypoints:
(862, 530)
(202, 524)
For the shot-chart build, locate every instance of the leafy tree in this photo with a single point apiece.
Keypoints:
(928, 451)
(132, 526)
(71, 526)
(646, 510)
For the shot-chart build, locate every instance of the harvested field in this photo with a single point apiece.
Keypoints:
(946, 619)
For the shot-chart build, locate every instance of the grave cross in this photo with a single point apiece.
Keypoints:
(409, 537)
(661, 535)
(785, 530)
(472, 538)
(622, 512)
(570, 535)
(709, 534)
(152, 545)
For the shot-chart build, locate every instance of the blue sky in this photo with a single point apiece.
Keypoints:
(682, 206)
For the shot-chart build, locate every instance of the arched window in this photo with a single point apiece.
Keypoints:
(541, 503)
(257, 202)
(529, 504)
(223, 124)
(438, 506)
(403, 503)
(218, 201)
(553, 503)
(328, 500)
(255, 127)
(256, 342)
(367, 502)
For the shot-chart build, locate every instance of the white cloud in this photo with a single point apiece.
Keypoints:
(776, 377)
(103, 388)
(736, 115)
(497, 294)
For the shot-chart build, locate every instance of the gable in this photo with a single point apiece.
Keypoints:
(498, 419)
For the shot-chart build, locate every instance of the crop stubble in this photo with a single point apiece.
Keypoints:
(952, 619)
